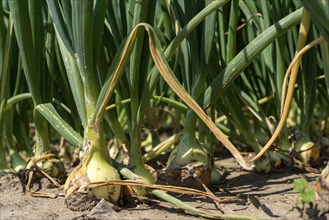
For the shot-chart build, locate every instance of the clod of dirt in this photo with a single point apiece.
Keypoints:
(81, 201)
(191, 176)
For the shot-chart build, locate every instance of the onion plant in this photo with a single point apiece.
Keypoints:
(79, 49)
(194, 60)
(7, 113)
(10, 137)
(293, 67)
(259, 80)
(28, 25)
(307, 93)
(139, 66)
(3, 81)
(94, 69)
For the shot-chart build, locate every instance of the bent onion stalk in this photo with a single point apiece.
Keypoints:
(292, 71)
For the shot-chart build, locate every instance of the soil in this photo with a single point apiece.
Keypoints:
(259, 195)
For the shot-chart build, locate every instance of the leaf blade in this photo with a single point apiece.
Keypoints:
(49, 112)
(246, 56)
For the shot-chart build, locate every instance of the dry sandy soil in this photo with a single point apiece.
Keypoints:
(265, 196)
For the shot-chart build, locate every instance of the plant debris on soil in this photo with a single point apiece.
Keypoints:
(258, 195)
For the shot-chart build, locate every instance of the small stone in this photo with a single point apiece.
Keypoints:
(103, 210)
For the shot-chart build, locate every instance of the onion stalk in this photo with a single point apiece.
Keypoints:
(17, 162)
(3, 161)
(137, 165)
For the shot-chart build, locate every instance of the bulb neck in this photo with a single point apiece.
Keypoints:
(94, 142)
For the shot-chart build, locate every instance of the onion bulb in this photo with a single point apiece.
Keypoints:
(309, 152)
(189, 153)
(54, 168)
(95, 166)
(98, 169)
(269, 162)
